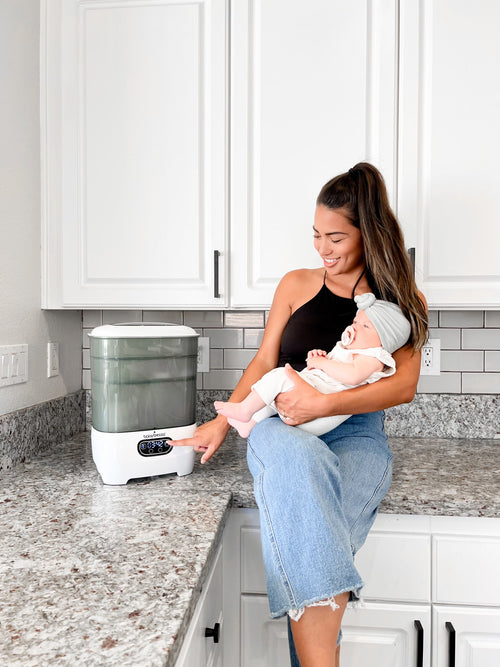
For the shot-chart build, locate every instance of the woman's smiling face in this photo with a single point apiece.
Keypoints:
(338, 242)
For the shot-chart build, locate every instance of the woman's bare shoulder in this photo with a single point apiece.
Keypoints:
(302, 277)
(300, 285)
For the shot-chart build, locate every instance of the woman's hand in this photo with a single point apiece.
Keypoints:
(207, 438)
(302, 403)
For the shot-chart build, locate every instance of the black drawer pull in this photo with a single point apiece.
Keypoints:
(213, 632)
(420, 643)
(452, 643)
(216, 274)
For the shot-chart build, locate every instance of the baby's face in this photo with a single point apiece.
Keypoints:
(363, 333)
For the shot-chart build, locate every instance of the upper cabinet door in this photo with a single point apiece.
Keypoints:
(313, 91)
(134, 130)
(449, 146)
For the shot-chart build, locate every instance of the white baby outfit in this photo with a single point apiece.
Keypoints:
(276, 381)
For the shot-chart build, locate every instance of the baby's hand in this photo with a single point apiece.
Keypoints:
(316, 353)
(315, 358)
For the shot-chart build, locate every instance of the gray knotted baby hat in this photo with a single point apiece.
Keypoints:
(391, 325)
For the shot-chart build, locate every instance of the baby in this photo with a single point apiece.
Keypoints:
(362, 356)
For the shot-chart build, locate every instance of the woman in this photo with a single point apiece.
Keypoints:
(318, 496)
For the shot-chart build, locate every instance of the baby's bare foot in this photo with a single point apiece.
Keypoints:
(233, 410)
(243, 428)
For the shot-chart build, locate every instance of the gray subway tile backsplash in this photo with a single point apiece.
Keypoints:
(461, 318)
(206, 318)
(492, 318)
(225, 338)
(224, 379)
(450, 338)
(481, 383)
(121, 316)
(462, 360)
(253, 337)
(470, 346)
(91, 318)
(480, 339)
(170, 317)
(445, 383)
(492, 361)
(238, 358)
(244, 319)
(216, 358)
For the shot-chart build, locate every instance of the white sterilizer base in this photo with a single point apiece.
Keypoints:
(122, 456)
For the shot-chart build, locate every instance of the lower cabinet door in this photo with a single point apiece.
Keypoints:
(202, 645)
(392, 635)
(264, 641)
(374, 635)
(466, 636)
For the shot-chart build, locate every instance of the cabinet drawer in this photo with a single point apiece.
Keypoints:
(253, 578)
(466, 569)
(394, 566)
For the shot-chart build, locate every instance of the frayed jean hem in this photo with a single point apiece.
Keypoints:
(353, 599)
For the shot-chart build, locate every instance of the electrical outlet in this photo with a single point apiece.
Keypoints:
(203, 355)
(431, 357)
(52, 359)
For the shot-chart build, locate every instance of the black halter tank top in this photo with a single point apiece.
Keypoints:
(318, 324)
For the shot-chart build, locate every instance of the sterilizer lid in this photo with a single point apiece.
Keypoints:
(143, 330)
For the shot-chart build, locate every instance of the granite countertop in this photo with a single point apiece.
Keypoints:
(95, 574)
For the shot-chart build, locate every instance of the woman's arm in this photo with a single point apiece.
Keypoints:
(304, 403)
(209, 436)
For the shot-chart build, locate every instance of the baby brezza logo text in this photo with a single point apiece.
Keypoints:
(154, 434)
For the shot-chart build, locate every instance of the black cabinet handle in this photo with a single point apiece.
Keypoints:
(213, 632)
(216, 274)
(452, 643)
(420, 643)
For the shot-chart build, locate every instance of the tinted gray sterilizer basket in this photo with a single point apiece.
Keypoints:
(143, 396)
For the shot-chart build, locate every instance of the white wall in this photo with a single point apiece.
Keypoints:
(21, 320)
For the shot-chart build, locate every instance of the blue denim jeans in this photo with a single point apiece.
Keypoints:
(317, 499)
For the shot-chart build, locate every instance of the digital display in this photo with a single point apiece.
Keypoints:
(154, 446)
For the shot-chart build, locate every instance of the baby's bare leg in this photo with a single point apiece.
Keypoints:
(243, 411)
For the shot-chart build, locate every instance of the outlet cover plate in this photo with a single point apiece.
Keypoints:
(13, 364)
(203, 355)
(52, 359)
(431, 357)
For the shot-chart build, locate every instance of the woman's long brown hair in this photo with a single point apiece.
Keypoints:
(362, 194)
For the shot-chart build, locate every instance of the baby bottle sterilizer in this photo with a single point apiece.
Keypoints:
(143, 397)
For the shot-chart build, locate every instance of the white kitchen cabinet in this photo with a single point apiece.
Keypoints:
(421, 574)
(466, 636)
(198, 649)
(138, 182)
(184, 143)
(392, 635)
(264, 640)
(466, 589)
(449, 141)
(133, 123)
(313, 91)
(377, 634)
